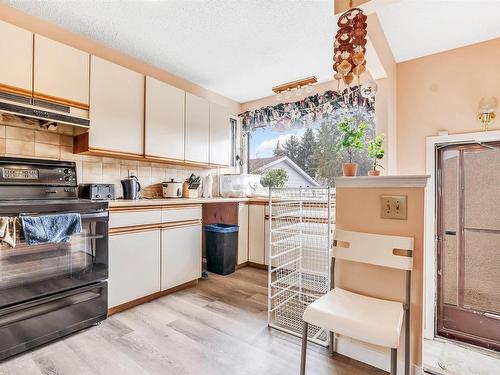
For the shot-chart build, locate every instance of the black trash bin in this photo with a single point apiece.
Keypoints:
(222, 247)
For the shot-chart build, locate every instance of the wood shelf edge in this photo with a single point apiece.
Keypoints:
(81, 146)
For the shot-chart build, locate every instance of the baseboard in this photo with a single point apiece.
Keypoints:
(257, 265)
(375, 356)
(150, 297)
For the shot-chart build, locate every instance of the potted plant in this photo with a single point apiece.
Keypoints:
(376, 153)
(350, 141)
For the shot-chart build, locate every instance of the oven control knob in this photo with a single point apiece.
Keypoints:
(98, 196)
(66, 171)
(109, 195)
(67, 178)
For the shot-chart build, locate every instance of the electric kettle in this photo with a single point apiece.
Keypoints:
(131, 188)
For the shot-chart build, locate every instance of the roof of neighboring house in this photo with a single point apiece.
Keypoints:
(254, 164)
(267, 163)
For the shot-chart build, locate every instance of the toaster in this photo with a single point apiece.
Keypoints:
(97, 191)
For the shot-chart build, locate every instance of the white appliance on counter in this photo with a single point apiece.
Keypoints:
(242, 185)
(172, 189)
(207, 186)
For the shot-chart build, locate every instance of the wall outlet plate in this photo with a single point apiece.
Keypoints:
(393, 207)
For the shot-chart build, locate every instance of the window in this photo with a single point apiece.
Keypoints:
(234, 142)
(309, 156)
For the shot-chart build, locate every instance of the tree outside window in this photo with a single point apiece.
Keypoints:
(315, 150)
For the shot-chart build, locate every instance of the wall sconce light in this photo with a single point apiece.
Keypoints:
(486, 111)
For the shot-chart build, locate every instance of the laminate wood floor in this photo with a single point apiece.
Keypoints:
(218, 327)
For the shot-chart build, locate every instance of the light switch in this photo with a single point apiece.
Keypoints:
(393, 207)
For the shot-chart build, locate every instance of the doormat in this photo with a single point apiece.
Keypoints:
(457, 360)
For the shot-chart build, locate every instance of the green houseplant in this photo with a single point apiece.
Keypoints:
(376, 153)
(351, 139)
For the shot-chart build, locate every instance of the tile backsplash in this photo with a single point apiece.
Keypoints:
(31, 142)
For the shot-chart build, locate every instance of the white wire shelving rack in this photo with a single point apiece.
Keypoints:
(301, 224)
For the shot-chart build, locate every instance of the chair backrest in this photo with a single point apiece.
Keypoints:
(377, 249)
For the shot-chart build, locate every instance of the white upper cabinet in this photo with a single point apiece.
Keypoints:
(197, 129)
(165, 108)
(16, 59)
(243, 233)
(220, 135)
(116, 108)
(61, 72)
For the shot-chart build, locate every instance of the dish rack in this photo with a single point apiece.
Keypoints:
(301, 224)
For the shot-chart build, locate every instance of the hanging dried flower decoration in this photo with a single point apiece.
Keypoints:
(349, 46)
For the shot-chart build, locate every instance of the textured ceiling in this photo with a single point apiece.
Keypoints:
(416, 28)
(239, 49)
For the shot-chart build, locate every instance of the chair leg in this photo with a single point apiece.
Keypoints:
(304, 349)
(394, 361)
(332, 343)
(407, 322)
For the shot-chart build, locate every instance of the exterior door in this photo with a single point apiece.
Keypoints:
(468, 233)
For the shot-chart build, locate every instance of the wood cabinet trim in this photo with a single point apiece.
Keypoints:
(219, 165)
(180, 224)
(15, 90)
(163, 159)
(81, 146)
(187, 163)
(135, 208)
(197, 163)
(133, 229)
(149, 227)
(154, 207)
(55, 99)
(124, 155)
(182, 206)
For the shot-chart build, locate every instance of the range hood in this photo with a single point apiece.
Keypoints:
(46, 112)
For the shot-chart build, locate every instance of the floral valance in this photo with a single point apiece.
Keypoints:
(307, 112)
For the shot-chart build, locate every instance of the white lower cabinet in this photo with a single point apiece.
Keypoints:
(180, 255)
(256, 236)
(134, 266)
(243, 234)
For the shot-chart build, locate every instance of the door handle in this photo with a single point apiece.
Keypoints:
(450, 232)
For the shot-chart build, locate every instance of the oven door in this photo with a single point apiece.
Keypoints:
(28, 272)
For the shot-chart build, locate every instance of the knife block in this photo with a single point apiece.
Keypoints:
(193, 193)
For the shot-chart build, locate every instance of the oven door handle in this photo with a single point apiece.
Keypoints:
(84, 216)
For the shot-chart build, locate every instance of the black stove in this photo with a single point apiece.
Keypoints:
(49, 290)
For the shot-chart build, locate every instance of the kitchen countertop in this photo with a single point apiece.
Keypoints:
(175, 201)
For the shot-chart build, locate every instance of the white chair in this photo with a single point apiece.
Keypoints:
(367, 319)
